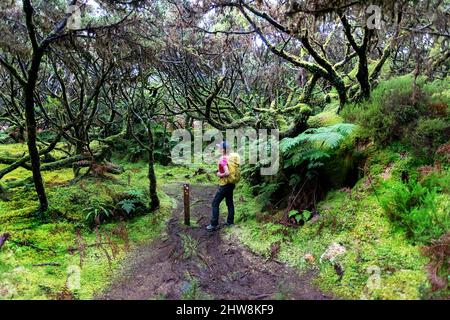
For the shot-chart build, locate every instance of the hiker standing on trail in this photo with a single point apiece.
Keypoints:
(229, 174)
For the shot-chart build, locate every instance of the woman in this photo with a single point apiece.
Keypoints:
(225, 190)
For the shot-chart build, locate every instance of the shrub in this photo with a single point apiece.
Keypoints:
(429, 134)
(303, 160)
(443, 152)
(98, 212)
(438, 180)
(313, 145)
(386, 121)
(439, 90)
(414, 208)
(396, 112)
(129, 204)
(5, 138)
(123, 205)
(136, 152)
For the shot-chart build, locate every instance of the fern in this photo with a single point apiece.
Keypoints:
(327, 137)
(309, 155)
(138, 194)
(413, 207)
(97, 212)
(128, 205)
(303, 156)
(267, 188)
(304, 216)
(313, 146)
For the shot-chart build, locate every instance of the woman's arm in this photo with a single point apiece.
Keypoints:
(226, 172)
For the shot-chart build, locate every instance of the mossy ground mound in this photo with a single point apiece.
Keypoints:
(381, 261)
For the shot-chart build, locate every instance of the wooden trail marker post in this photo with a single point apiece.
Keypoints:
(187, 211)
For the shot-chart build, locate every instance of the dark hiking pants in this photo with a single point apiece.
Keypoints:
(226, 192)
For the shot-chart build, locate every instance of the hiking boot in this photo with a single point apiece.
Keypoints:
(212, 228)
(229, 224)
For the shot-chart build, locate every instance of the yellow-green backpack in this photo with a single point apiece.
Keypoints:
(234, 162)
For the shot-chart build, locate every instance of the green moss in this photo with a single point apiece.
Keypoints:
(304, 108)
(404, 284)
(357, 221)
(324, 119)
(50, 242)
(19, 149)
(439, 89)
(13, 150)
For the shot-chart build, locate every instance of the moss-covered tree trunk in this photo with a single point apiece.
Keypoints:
(362, 51)
(154, 200)
(309, 88)
(363, 77)
(342, 93)
(30, 119)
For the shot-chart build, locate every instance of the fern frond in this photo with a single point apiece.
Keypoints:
(326, 137)
(313, 145)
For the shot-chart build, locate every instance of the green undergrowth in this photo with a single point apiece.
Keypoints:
(399, 111)
(382, 259)
(195, 173)
(42, 258)
(324, 119)
(21, 149)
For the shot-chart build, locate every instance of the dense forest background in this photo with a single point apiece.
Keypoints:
(91, 91)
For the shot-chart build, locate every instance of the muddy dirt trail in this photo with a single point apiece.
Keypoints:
(189, 262)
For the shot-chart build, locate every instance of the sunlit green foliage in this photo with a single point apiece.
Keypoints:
(421, 211)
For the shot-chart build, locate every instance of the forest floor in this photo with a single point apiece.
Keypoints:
(154, 256)
(190, 263)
